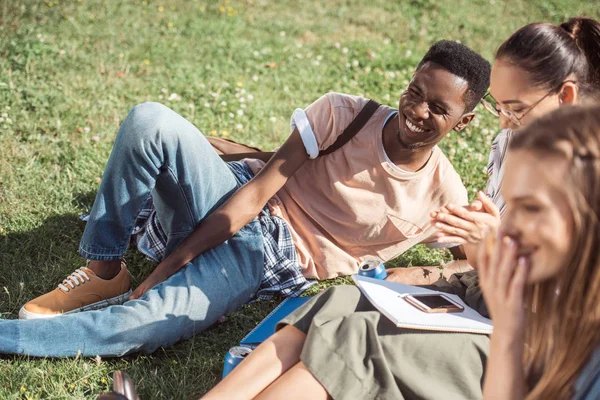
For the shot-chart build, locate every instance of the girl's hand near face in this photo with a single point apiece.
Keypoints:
(502, 278)
(466, 225)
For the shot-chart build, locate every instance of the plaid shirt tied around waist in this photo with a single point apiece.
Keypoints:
(282, 274)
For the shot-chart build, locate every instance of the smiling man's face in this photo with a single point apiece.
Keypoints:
(431, 106)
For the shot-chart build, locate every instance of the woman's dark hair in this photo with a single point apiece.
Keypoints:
(551, 54)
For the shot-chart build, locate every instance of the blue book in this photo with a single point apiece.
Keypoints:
(266, 327)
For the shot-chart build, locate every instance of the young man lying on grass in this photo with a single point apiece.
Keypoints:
(226, 232)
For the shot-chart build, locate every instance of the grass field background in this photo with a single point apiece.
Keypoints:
(70, 71)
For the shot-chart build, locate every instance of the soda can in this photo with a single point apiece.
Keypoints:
(234, 356)
(372, 269)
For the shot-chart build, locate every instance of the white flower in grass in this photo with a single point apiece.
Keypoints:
(174, 97)
(255, 78)
(345, 50)
(282, 33)
(239, 127)
(240, 112)
(207, 105)
(355, 63)
(250, 97)
(273, 119)
(336, 45)
(231, 115)
(224, 103)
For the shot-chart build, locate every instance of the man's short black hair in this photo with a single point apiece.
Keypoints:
(463, 62)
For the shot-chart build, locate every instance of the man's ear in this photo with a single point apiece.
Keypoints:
(464, 121)
(568, 93)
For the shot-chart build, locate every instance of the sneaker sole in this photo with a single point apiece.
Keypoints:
(24, 314)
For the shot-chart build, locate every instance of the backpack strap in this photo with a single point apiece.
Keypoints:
(355, 126)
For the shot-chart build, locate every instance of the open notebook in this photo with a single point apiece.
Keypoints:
(387, 297)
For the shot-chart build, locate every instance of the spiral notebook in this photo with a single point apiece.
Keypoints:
(388, 298)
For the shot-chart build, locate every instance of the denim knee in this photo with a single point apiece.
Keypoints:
(147, 123)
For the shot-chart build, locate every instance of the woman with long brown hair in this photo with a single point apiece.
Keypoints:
(542, 281)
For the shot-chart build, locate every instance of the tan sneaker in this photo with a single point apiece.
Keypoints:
(82, 290)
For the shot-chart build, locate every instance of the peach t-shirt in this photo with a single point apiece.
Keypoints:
(355, 204)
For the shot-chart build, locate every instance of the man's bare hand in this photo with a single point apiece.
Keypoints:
(161, 273)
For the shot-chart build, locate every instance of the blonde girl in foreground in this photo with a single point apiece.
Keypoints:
(542, 281)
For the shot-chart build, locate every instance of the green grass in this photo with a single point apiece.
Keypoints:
(71, 70)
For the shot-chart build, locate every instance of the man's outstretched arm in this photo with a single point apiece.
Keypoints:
(237, 211)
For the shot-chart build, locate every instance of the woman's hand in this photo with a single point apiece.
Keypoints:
(502, 277)
(466, 225)
(161, 273)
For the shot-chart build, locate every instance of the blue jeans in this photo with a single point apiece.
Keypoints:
(157, 152)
